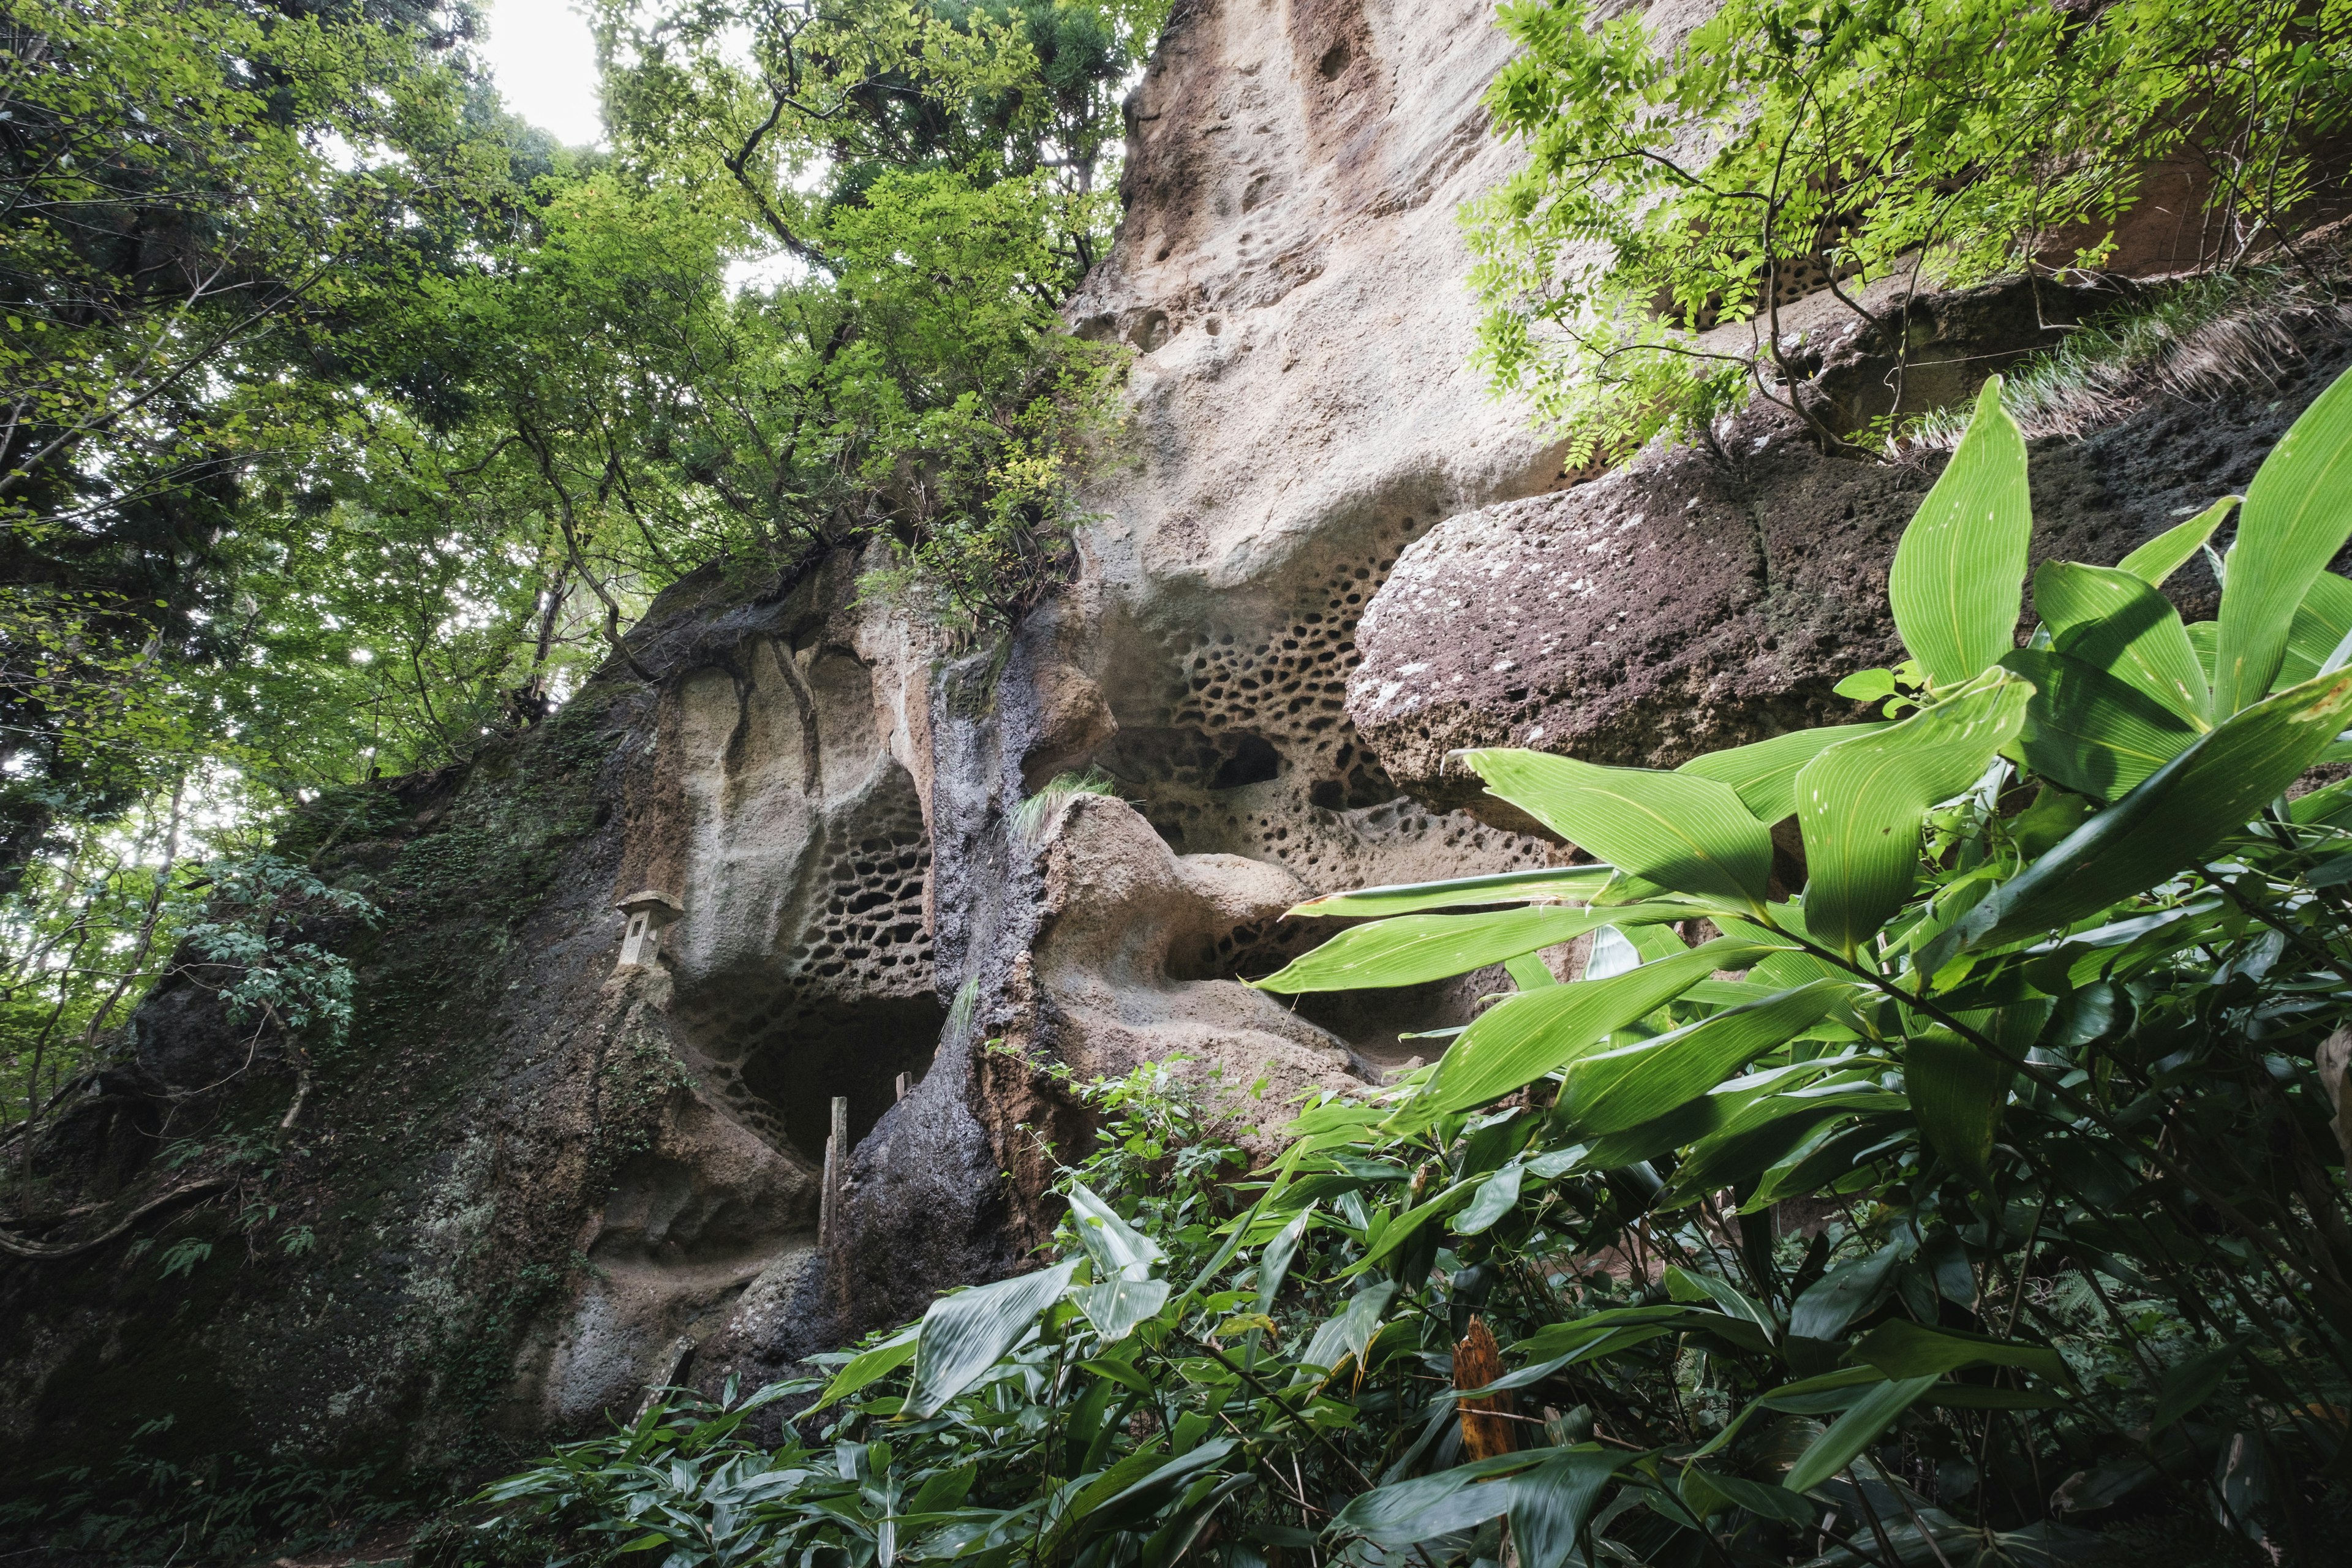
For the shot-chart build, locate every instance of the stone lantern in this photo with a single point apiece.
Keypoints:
(649, 914)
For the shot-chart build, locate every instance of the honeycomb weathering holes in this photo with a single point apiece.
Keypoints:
(1255, 753)
(844, 1009)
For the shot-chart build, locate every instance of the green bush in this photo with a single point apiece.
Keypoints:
(1784, 144)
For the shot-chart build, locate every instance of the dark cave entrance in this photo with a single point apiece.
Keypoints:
(852, 1049)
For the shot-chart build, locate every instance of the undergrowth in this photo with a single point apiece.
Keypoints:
(146, 1511)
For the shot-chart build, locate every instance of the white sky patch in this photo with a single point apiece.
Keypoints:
(765, 272)
(545, 62)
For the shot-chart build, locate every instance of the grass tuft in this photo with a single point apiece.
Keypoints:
(1032, 817)
(2201, 339)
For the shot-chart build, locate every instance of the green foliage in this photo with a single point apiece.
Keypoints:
(145, 1508)
(1037, 813)
(1677, 185)
(1953, 582)
(2053, 1081)
(246, 947)
(346, 424)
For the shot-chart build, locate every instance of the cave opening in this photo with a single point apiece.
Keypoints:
(855, 1049)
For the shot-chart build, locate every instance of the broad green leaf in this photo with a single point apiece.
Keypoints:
(1349, 1332)
(2203, 636)
(868, 1365)
(1410, 949)
(2321, 623)
(1613, 1090)
(1566, 1339)
(1902, 1349)
(1559, 884)
(1709, 1491)
(1860, 803)
(2326, 804)
(1765, 1132)
(1645, 1140)
(1118, 1371)
(1116, 1305)
(1956, 1092)
(1690, 834)
(1495, 1200)
(1846, 1293)
(2176, 817)
(1765, 773)
(2112, 621)
(1827, 1160)
(2160, 557)
(945, 1489)
(1073, 1504)
(1521, 1039)
(1684, 1286)
(1116, 1247)
(1274, 1263)
(1550, 1503)
(962, 1335)
(2190, 1383)
(2297, 515)
(1087, 1515)
(1809, 1397)
(1145, 1493)
(1959, 572)
(1528, 971)
(1866, 685)
(1793, 964)
(1865, 1421)
(2090, 732)
(1405, 1513)
(1174, 1539)
(1819, 1395)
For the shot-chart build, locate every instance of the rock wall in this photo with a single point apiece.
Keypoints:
(539, 1181)
(1702, 597)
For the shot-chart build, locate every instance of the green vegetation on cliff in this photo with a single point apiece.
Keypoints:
(348, 422)
(1679, 192)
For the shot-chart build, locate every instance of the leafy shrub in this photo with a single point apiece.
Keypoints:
(143, 1511)
(1988, 1188)
(1786, 144)
(248, 946)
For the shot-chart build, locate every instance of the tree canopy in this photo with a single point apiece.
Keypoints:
(1678, 192)
(349, 420)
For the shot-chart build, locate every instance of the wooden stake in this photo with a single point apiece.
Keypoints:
(837, 1160)
(825, 1198)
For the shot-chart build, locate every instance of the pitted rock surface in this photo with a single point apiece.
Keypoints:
(1696, 599)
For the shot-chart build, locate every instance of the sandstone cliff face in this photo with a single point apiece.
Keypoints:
(538, 1184)
(533, 1182)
